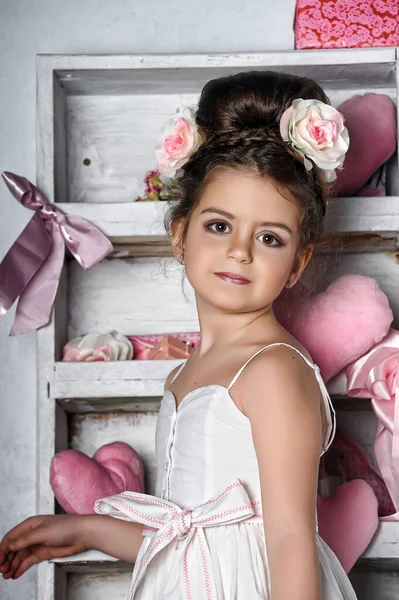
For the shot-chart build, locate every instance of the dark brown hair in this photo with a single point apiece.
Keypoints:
(239, 120)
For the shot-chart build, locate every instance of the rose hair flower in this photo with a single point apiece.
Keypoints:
(317, 132)
(179, 139)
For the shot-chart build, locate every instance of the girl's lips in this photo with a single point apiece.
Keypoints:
(233, 278)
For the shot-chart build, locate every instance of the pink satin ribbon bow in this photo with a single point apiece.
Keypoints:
(32, 267)
(166, 521)
(375, 375)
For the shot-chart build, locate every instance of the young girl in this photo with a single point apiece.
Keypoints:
(244, 421)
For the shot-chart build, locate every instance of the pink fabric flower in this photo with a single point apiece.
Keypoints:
(95, 347)
(317, 132)
(179, 139)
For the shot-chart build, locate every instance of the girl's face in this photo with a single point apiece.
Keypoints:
(241, 243)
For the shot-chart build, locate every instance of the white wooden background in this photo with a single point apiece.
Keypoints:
(137, 294)
(28, 28)
(100, 297)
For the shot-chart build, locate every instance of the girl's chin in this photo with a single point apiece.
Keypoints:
(228, 304)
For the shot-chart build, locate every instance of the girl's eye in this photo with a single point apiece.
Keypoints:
(269, 240)
(218, 227)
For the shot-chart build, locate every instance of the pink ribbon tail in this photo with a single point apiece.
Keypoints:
(32, 267)
(375, 376)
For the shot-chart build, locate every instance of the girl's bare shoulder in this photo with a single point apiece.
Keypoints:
(278, 371)
(171, 376)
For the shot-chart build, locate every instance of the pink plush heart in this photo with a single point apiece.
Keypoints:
(348, 520)
(371, 122)
(78, 481)
(338, 325)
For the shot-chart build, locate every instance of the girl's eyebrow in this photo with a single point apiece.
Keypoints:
(228, 215)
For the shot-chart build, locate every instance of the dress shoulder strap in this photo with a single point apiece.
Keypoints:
(237, 375)
(329, 409)
(179, 370)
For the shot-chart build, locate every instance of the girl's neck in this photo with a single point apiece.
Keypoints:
(221, 330)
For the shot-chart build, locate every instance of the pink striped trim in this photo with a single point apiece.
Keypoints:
(145, 562)
(146, 500)
(205, 567)
(133, 511)
(224, 513)
(115, 515)
(186, 575)
(225, 491)
(148, 528)
(183, 532)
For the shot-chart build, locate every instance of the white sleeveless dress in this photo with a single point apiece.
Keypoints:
(204, 536)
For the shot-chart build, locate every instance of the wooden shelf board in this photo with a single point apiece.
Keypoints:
(196, 60)
(109, 405)
(133, 385)
(92, 562)
(142, 222)
(119, 379)
(385, 545)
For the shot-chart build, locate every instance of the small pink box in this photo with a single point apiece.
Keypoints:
(143, 344)
(170, 347)
(346, 23)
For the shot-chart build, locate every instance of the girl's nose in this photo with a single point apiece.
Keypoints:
(240, 250)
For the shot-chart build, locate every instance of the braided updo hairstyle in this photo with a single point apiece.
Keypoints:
(239, 121)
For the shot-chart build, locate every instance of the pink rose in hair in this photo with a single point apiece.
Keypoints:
(179, 139)
(317, 132)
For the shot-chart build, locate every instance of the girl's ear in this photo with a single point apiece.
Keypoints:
(301, 263)
(177, 231)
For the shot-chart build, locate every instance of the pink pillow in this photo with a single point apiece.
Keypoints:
(371, 121)
(339, 325)
(78, 481)
(348, 520)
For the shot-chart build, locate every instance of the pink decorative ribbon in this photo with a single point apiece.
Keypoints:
(166, 521)
(375, 375)
(32, 267)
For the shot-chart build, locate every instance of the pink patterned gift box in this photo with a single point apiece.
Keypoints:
(346, 23)
(143, 344)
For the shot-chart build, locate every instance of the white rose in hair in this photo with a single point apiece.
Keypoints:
(179, 139)
(95, 347)
(317, 132)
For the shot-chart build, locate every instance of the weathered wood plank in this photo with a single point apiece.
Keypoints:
(375, 585)
(351, 58)
(131, 380)
(119, 74)
(133, 296)
(105, 586)
(120, 379)
(140, 221)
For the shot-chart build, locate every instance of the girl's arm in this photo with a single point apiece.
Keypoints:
(281, 396)
(46, 537)
(115, 537)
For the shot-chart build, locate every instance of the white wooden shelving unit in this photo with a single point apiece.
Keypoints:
(98, 118)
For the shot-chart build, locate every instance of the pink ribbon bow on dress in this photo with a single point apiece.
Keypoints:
(32, 267)
(375, 375)
(168, 521)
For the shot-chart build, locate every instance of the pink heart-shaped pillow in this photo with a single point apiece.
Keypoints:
(338, 325)
(348, 520)
(78, 481)
(371, 122)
